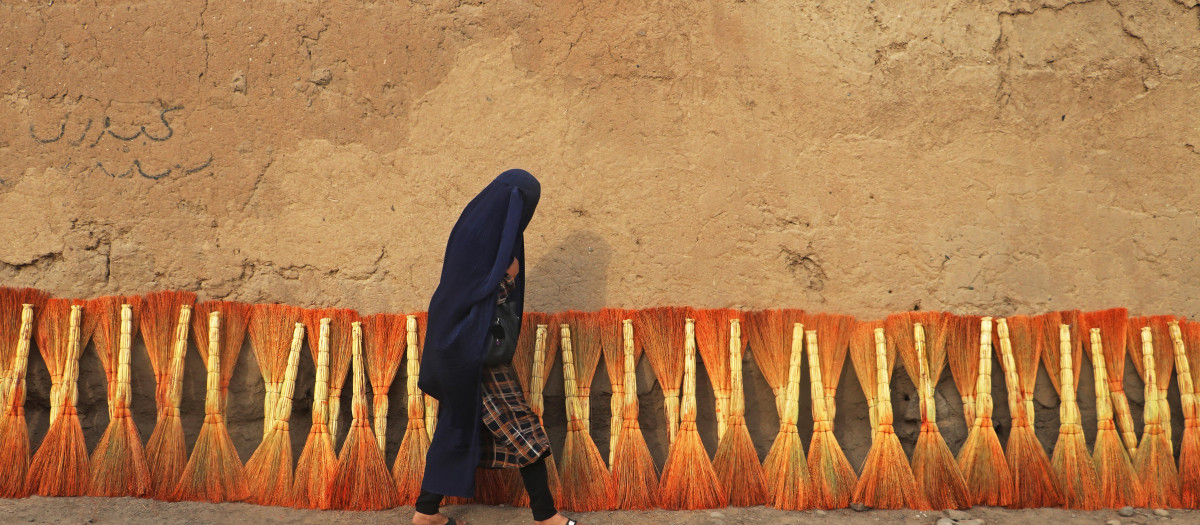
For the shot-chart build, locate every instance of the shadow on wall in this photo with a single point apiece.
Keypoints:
(571, 276)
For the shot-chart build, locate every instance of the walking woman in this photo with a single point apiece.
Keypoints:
(483, 417)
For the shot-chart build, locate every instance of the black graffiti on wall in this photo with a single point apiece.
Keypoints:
(106, 129)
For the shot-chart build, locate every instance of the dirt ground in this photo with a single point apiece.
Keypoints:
(150, 512)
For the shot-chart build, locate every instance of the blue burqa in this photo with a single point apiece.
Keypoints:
(483, 243)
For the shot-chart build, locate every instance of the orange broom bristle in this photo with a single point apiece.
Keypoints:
(1071, 462)
(270, 327)
(339, 356)
(633, 470)
(523, 357)
(361, 480)
(981, 458)
(660, 335)
(1034, 482)
(962, 353)
(538, 355)
(786, 467)
(409, 467)
(1119, 484)
(214, 473)
(1163, 359)
(385, 341)
(835, 330)
(11, 308)
(118, 462)
(1189, 449)
(933, 464)
(765, 333)
(165, 319)
(314, 471)
(60, 466)
(270, 467)
(14, 431)
(887, 481)
(712, 343)
(833, 479)
(862, 356)
(1113, 325)
(612, 346)
(736, 461)
(586, 328)
(586, 483)
(688, 480)
(1048, 327)
(1153, 462)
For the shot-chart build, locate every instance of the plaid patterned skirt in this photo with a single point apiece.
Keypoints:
(513, 436)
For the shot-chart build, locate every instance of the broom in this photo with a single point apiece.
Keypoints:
(981, 458)
(270, 326)
(1119, 484)
(785, 467)
(887, 482)
(361, 480)
(1187, 351)
(712, 341)
(270, 467)
(107, 311)
(314, 471)
(384, 339)
(1080, 484)
(165, 319)
(833, 479)
(835, 330)
(933, 464)
(12, 301)
(688, 480)
(586, 328)
(660, 335)
(765, 332)
(339, 356)
(214, 473)
(1113, 325)
(634, 473)
(1034, 483)
(60, 466)
(1048, 326)
(1164, 362)
(586, 483)
(611, 344)
(862, 355)
(1153, 462)
(118, 461)
(409, 467)
(736, 462)
(962, 352)
(14, 433)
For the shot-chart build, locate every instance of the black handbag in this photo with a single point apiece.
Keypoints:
(502, 336)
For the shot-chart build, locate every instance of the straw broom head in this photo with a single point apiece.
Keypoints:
(833, 480)
(736, 461)
(981, 458)
(523, 357)
(118, 461)
(586, 328)
(785, 467)
(339, 356)
(1163, 359)
(1154, 462)
(1026, 344)
(1119, 484)
(270, 328)
(659, 331)
(1113, 325)
(688, 481)
(317, 460)
(764, 331)
(410, 460)
(1048, 327)
(962, 352)
(158, 323)
(166, 454)
(1072, 466)
(835, 331)
(633, 470)
(1034, 482)
(361, 480)
(11, 307)
(862, 355)
(385, 340)
(214, 473)
(270, 467)
(1186, 336)
(108, 334)
(933, 464)
(586, 483)
(712, 342)
(887, 481)
(60, 466)
(14, 432)
(611, 343)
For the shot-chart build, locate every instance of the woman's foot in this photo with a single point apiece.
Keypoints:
(557, 519)
(432, 519)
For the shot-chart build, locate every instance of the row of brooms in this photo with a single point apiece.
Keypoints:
(1120, 470)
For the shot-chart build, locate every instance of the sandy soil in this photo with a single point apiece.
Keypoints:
(149, 512)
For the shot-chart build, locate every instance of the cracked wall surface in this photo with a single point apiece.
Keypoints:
(864, 157)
